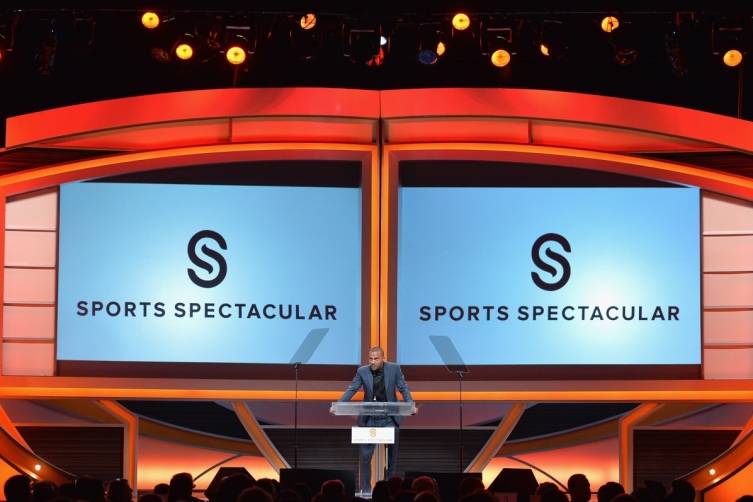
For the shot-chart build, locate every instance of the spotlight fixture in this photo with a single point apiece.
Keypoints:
(609, 24)
(184, 47)
(308, 21)
(240, 42)
(441, 48)
(496, 43)
(461, 21)
(431, 43)
(727, 41)
(363, 45)
(732, 58)
(235, 54)
(501, 58)
(150, 20)
(552, 40)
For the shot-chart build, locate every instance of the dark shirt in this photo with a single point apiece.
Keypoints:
(380, 393)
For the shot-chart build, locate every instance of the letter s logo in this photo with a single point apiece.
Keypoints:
(547, 267)
(211, 253)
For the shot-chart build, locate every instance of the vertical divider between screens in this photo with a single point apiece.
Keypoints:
(57, 279)
(702, 310)
(3, 203)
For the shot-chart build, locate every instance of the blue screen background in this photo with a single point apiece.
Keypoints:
(472, 246)
(286, 245)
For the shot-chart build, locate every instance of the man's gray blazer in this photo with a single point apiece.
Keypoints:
(393, 381)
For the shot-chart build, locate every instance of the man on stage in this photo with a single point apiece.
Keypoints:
(379, 379)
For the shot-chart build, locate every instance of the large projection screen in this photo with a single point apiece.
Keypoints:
(537, 272)
(190, 274)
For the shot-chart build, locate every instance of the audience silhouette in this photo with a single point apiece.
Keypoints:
(244, 488)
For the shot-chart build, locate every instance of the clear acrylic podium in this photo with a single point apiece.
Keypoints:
(374, 409)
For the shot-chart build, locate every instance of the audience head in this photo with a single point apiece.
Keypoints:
(333, 490)
(42, 491)
(232, 486)
(426, 496)
(162, 490)
(579, 488)
(18, 489)
(395, 483)
(303, 491)
(255, 494)
(89, 488)
(424, 484)
(67, 490)
(482, 496)
(682, 491)
(608, 491)
(381, 492)
(181, 487)
(268, 485)
(288, 496)
(745, 498)
(118, 490)
(549, 492)
(642, 494)
(656, 488)
(150, 497)
(405, 496)
(471, 485)
(624, 497)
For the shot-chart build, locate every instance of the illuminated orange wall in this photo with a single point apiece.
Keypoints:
(159, 460)
(597, 460)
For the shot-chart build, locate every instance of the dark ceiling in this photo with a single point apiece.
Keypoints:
(73, 52)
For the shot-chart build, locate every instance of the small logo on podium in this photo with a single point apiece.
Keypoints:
(372, 432)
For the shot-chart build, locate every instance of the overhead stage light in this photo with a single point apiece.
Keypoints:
(240, 42)
(430, 43)
(235, 54)
(184, 47)
(609, 24)
(553, 39)
(362, 45)
(308, 21)
(150, 20)
(461, 21)
(501, 58)
(728, 40)
(184, 51)
(732, 57)
(496, 42)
